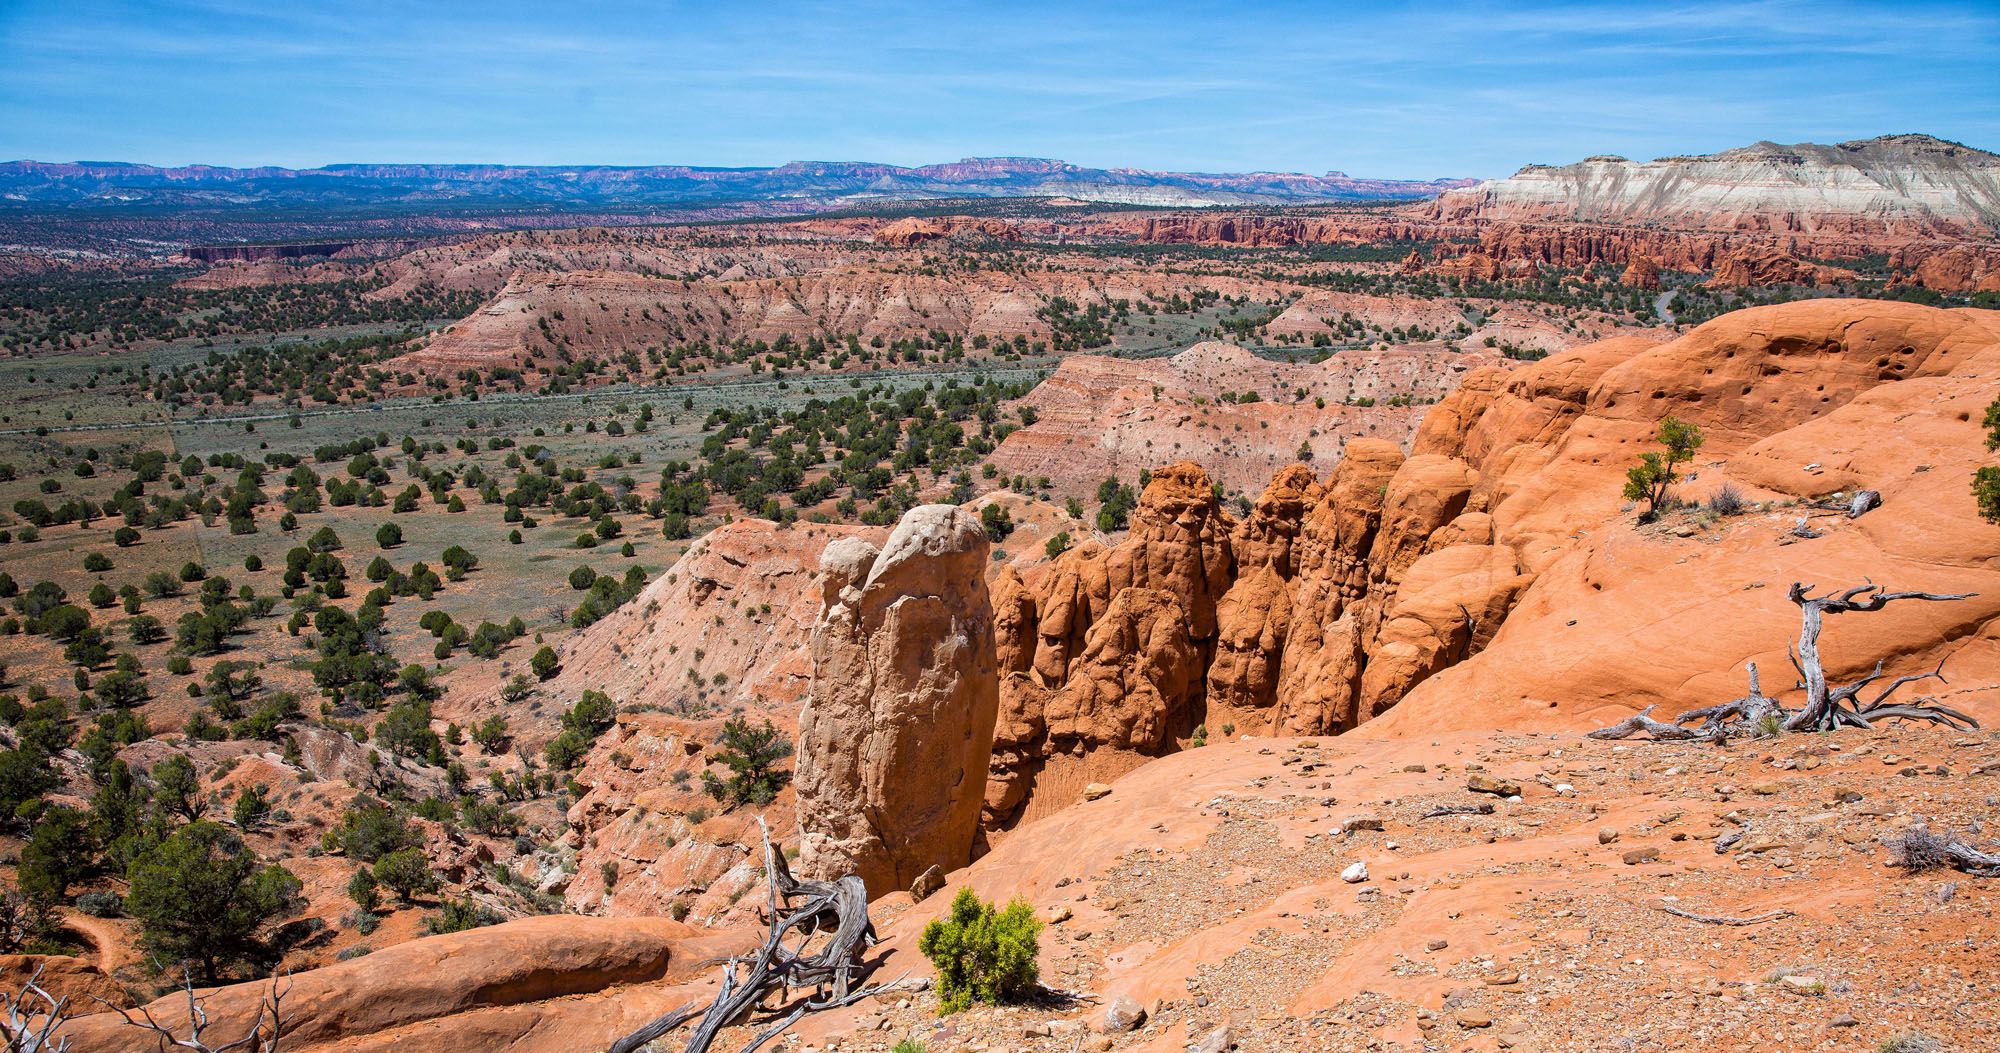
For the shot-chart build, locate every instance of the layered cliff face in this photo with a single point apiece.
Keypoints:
(1901, 185)
(1757, 215)
(1100, 416)
(894, 738)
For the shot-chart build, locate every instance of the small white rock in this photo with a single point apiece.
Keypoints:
(1355, 873)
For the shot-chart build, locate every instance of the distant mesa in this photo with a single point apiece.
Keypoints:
(348, 186)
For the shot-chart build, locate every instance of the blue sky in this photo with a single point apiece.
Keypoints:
(1389, 90)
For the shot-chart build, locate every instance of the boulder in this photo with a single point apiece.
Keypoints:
(1122, 1015)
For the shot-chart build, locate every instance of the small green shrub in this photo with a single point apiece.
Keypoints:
(982, 955)
(751, 753)
(101, 904)
(459, 915)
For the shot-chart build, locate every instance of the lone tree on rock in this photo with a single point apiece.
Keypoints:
(1986, 481)
(1649, 480)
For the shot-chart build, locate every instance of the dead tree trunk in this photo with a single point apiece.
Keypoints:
(1827, 707)
(802, 912)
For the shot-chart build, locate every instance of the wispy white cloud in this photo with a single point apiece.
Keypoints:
(1466, 87)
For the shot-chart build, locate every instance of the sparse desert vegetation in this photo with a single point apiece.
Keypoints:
(366, 602)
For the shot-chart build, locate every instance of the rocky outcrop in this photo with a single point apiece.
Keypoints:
(1478, 266)
(1642, 272)
(638, 845)
(1447, 608)
(1962, 268)
(1101, 416)
(913, 231)
(1014, 621)
(1400, 580)
(1179, 544)
(1316, 612)
(1134, 683)
(1605, 618)
(1253, 619)
(1771, 267)
(62, 976)
(1268, 536)
(905, 233)
(897, 730)
(1321, 665)
(663, 649)
(1253, 623)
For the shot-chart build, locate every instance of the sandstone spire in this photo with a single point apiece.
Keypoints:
(895, 737)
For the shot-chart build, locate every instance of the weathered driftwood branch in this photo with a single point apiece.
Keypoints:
(1642, 722)
(1750, 715)
(1826, 706)
(802, 914)
(32, 1016)
(1722, 919)
(1475, 808)
(659, 1026)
